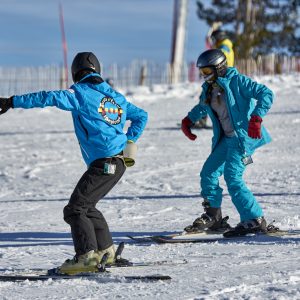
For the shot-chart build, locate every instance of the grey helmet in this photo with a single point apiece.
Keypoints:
(83, 64)
(215, 59)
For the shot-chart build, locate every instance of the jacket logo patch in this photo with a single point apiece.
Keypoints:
(110, 110)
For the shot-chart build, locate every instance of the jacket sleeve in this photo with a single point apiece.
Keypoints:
(198, 112)
(138, 118)
(263, 95)
(63, 99)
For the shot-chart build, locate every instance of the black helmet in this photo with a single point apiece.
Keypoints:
(83, 64)
(218, 35)
(215, 59)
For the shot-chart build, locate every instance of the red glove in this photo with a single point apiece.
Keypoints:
(254, 129)
(186, 125)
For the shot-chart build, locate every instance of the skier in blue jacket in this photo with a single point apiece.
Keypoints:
(236, 105)
(99, 115)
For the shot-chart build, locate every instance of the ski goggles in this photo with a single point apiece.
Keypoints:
(207, 73)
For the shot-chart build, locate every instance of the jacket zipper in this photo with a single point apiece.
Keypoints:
(216, 121)
(231, 118)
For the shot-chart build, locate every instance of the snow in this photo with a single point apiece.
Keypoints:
(40, 164)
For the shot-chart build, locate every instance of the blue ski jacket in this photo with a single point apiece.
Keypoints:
(244, 97)
(99, 115)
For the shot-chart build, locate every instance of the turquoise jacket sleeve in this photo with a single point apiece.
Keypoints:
(63, 99)
(198, 112)
(138, 118)
(263, 95)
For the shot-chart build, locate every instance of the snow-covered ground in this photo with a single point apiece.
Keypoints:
(40, 164)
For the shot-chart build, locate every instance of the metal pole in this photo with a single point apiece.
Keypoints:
(64, 46)
(178, 41)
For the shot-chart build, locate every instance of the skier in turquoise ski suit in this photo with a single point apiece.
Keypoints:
(233, 143)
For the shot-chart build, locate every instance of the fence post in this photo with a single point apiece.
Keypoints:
(143, 74)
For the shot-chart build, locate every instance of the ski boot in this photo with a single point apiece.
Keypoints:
(211, 220)
(245, 227)
(87, 262)
(111, 258)
(119, 261)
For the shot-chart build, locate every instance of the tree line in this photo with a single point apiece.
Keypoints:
(256, 27)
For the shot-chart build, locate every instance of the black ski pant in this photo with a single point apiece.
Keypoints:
(88, 226)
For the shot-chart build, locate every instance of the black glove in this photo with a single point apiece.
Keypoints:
(5, 104)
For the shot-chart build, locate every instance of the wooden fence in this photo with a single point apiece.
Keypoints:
(30, 79)
(269, 65)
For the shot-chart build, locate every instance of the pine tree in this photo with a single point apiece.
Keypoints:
(257, 26)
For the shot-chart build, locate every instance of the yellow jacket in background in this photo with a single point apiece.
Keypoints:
(226, 47)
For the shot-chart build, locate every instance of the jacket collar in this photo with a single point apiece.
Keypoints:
(91, 78)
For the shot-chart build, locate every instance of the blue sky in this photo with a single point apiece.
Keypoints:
(115, 30)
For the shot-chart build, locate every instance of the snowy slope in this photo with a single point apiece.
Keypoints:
(40, 164)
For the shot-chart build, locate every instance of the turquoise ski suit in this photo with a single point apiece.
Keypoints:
(244, 97)
(99, 115)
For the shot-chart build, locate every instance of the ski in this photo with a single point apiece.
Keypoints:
(100, 274)
(283, 233)
(207, 234)
(124, 263)
(115, 267)
(148, 264)
(183, 238)
(210, 237)
(129, 265)
(100, 277)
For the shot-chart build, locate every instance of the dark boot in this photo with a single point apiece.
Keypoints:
(250, 226)
(210, 220)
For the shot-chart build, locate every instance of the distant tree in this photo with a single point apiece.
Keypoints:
(256, 26)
